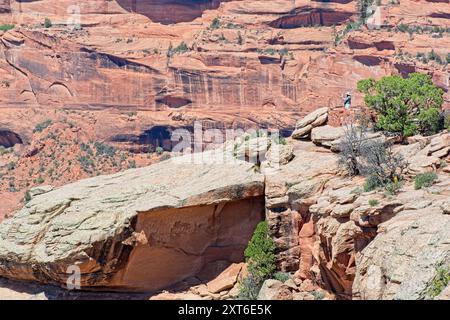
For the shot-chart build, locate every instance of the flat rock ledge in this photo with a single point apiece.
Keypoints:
(139, 230)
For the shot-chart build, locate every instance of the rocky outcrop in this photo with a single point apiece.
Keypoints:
(314, 119)
(403, 259)
(129, 73)
(139, 230)
(321, 220)
(326, 135)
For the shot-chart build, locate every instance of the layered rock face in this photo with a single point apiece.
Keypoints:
(259, 57)
(416, 244)
(140, 230)
(188, 224)
(131, 72)
(361, 245)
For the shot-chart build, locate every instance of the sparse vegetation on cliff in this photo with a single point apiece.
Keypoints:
(43, 125)
(382, 166)
(439, 283)
(6, 27)
(373, 158)
(215, 24)
(260, 257)
(47, 23)
(180, 49)
(425, 179)
(363, 7)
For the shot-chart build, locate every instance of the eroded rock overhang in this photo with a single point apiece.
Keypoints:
(139, 230)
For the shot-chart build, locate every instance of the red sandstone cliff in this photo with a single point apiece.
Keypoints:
(118, 71)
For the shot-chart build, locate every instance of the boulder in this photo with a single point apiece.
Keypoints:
(274, 290)
(342, 211)
(138, 230)
(314, 119)
(439, 142)
(226, 280)
(374, 136)
(302, 132)
(302, 296)
(253, 149)
(326, 135)
(279, 154)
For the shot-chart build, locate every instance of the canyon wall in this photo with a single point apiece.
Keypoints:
(262, 63)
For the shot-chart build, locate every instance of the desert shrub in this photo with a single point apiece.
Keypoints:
(363, 7)
(429, 121)
(392, 187)
(318, 295)
(352, 26)
(374, 202)
(260, 253)
(11, 165)
(424, 180)
(283, 52)
(372, 182)
(43, 125)
(433, 56)
(249, 288)
(39, 180)
(398, 101)
(4, 150)
(381, 165)
(215, 24)
(27, 197)
(86, 163)
(104, 149)
(240, 39)
(350, 147)
(159, 150)
(131, 164)
(281, 276)
(6, 27)
(181, 48)
(86, 148)
(447, 122)
(260, 258)
(439, 283)
(47, 23)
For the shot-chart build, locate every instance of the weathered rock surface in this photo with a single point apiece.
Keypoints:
(264, 64)
(321, 221)
(402, 260)
(314, 119)
(274, 290)
(279, 154)
(226, 280)
(325, 135)
(142, 229)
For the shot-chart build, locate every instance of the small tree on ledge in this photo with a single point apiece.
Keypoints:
(404, 105)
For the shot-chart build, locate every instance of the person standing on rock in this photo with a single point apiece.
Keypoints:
(347, 100)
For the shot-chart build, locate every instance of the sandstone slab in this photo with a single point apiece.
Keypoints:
(402, 260)
(142, 229)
